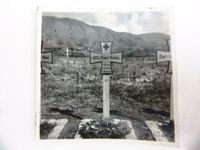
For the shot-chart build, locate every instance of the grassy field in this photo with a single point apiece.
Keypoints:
(72, 88)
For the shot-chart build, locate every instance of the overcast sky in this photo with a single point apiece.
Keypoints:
(136, 22)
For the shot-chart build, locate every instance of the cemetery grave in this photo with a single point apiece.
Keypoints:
(139, 93)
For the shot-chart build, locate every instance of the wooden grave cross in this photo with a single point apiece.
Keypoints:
(46, 57)
(106, 58)
(163, 56)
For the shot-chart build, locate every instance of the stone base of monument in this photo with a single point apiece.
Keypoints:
(56, 125)
(90, 124)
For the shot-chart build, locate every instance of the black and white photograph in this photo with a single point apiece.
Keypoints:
(103, 75)
(107, 75)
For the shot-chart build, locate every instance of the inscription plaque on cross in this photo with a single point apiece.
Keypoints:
(46, 57)
(106, 58)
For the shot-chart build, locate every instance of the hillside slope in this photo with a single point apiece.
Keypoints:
(66, 32)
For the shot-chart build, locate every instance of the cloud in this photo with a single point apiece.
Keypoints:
(136, 22)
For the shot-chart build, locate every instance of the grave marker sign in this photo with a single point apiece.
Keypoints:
(106, 58)
(163, 56)
(46, 57)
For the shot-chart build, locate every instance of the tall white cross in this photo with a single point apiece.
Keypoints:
(67, 52)
(106, 58)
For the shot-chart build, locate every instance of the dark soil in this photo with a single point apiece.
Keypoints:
(159, 112)
(65, 111)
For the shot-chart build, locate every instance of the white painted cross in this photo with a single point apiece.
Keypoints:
(67, 52)
(106, 58)
(163, 57)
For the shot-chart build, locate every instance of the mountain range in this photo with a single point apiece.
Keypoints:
(67, 32)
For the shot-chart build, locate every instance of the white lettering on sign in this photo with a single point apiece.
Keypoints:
(106, 58)
(47, 57)
(163, 56)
